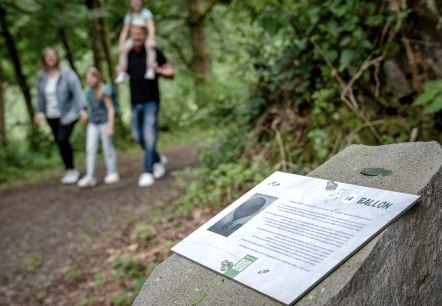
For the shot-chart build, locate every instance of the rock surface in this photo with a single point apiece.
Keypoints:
(401, 266)
(395, 80)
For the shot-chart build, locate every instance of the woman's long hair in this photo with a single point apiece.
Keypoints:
(43, 63)
(97, 90)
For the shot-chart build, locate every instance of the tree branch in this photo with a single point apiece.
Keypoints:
(172, 42)
(210, 8)
(201, 16)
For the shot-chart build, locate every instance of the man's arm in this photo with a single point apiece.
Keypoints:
(166, 70)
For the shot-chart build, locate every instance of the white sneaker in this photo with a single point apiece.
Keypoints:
(158, 170)
(163, 159)
(112, 178)
(87, 181)
(122, 77)
(70, 176)
(150, 74)
(146, 180)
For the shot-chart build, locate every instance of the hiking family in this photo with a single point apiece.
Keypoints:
(61, 100)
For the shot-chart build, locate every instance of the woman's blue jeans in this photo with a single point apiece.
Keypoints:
(145, 131)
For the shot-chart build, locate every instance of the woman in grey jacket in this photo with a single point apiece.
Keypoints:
(60, 98)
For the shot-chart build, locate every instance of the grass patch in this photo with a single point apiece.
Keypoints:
(90, 300)
(33, 261)
(73, 274)
(182, 137)
(99, 279)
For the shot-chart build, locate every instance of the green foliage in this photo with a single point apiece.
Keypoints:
(151, 266)
(128, 267)
(219, 184)
(17, 161)
(143, 233)
(129, 219)
(99, 279)
(122, 299)
(137, 284)
(128, 271)
(90, 300)
(73, 274)
(431, 98)
(33, 261)
(301, 54)
(300, 71)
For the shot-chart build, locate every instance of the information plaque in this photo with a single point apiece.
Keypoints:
(289, 232)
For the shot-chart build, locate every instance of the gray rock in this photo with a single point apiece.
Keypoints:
(395, 80)
(401, 266)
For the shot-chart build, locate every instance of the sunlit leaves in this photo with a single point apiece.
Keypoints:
(431, 98)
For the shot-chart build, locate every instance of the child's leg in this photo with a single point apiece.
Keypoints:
(92, 136)
(123, 57)
(151, 57)
(109, 152)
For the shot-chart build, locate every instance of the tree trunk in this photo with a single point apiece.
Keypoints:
(200, 58)
(200, 54)
(2, 109)
(101, 42)
(105, 43)
(123, 130)
(93, 32)
(62, 34)
(12, 49)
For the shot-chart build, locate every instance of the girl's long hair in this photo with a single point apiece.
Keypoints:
(131, 11)
(130, 6)
(97, 90)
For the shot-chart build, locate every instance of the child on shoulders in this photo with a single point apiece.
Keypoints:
(136, 14)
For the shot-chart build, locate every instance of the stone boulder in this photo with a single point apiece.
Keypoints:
(400, 266)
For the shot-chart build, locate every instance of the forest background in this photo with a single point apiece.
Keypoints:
(262, 85)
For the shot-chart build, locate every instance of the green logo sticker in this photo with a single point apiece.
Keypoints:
(240, 266)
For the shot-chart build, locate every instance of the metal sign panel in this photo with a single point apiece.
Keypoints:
(289, 232)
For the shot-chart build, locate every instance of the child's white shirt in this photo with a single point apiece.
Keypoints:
(143, 16)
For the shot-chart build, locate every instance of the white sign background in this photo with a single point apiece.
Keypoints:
(287, 233)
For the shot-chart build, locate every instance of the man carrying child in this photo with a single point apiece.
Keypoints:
(145, 102)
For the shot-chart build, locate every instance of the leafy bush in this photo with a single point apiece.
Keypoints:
(17, 161)
(316, 89)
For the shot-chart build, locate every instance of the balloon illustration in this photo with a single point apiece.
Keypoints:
(248, 208)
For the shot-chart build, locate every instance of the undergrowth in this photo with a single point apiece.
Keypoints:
(214, 187)
(318, 87)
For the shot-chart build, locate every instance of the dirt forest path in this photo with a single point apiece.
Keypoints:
(49, 225)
